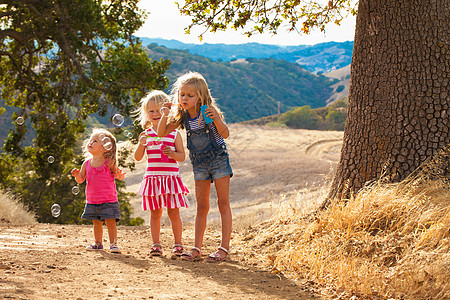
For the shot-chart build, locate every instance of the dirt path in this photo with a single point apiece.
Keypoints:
(49, 262)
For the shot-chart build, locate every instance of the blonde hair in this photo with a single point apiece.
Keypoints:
(156, 96)
(110, 154)
(196, 80)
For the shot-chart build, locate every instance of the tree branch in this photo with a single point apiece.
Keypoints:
(20, 37)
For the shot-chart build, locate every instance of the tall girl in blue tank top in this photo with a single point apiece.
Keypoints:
(207, 152)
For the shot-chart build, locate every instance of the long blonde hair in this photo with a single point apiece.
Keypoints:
(157, 96)
(196, 80)
(110, 154)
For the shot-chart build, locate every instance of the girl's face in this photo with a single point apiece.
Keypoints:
(95, 146)
(153, 113)
(188, 98)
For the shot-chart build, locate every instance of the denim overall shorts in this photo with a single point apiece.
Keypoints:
(210, 161)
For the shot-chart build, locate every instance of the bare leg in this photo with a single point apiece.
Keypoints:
(155, 224)
(112, 230)
(98, 231)
(174, 216)
(223, 202)
(202, 189)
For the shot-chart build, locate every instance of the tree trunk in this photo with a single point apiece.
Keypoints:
(398, 111)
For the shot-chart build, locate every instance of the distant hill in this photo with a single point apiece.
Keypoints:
(341, 87)
(251, 88)
(323, 57)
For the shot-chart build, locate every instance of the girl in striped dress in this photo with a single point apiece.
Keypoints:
(162, 185)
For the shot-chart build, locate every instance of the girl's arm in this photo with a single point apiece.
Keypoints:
(80, 175)
(178, 154)
(164, 127)
(221, 126)
(140, 150)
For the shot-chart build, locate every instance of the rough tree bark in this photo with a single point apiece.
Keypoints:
(398, 111)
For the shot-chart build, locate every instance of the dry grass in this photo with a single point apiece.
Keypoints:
(389, 241)
(11, 211)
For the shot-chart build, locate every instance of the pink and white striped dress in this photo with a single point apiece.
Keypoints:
(162, 185)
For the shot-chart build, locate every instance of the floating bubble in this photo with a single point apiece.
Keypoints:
(75, 190)
(20, 121)
(143, 140)
(108, 146)
(56, 210)
(128, 134)
(51, 159)
(118, 119)
(101, 136)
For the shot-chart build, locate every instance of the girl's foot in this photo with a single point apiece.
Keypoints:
(95, 247)
(194, 255)
(177, 250)
(220, 255)
(155, 250)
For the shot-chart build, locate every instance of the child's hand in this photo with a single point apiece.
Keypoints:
(143, 138)
(75, 172)
(212, 113)
(168, 151)
(120, 174)
(165, 109)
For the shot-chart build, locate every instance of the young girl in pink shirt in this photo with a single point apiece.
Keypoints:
(100, 170)
(162, 185)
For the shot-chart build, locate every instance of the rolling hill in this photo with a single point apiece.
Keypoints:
(323, 57)
(251, 88)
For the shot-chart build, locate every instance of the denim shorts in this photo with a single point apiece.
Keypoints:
(213, 167)
(101, 211)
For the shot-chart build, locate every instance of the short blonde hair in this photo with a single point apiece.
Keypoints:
(156, 96)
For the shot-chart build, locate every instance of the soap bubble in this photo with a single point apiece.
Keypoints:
(56, 210)
(20, 121)
(101, 136)
(108, 146)
(128, 134)
(106, 141)
(143, 140)
(118, 119)
(75, 190)
(51, 159)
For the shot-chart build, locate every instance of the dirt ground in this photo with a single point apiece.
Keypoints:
(47, 261)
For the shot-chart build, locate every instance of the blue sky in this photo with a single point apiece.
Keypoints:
(164, 21)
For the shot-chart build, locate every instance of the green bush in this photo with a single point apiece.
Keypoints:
(138, 221)
(340, 88)
(301, 117)
(331, 117)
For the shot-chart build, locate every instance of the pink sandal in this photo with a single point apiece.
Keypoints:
(177, 250)
(216, 257)
(190, 255)
(155, 250)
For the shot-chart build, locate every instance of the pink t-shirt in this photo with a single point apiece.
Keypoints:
(100, 185)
